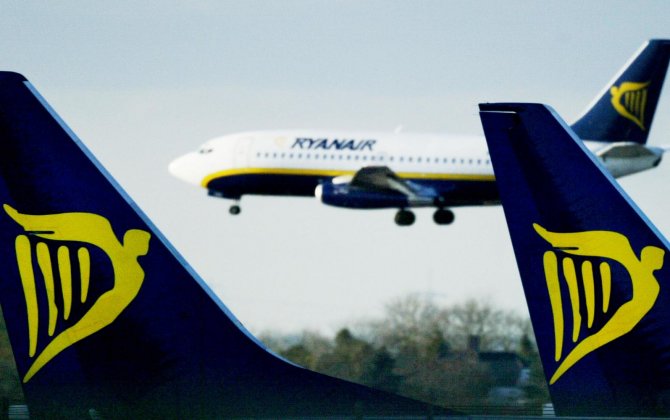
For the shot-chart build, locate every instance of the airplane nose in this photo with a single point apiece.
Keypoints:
(187, 169)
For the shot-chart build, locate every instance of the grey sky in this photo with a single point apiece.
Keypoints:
(143, 82)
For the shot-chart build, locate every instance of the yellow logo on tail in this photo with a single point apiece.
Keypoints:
(629, 99)
(603, 244)
(86, 228)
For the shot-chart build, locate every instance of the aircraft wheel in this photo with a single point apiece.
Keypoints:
(443, 216)
(234, 210)
(404, 217)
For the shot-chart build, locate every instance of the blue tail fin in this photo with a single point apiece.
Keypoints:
(594, 269)
(625, 109)
(102, 313)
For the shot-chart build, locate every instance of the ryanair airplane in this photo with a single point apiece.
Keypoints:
(593, 267)
(106, 320)
(402, 170)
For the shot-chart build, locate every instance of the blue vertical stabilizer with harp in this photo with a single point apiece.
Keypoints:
(106, 319)
(595, 271)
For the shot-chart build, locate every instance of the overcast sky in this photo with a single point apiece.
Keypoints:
(143, 82)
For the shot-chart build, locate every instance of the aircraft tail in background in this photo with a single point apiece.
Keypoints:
(595, 271)
(105, 318)
(625, 109)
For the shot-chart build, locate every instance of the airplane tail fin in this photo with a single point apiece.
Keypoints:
(105, 317)
(593, 267)
(625, 109)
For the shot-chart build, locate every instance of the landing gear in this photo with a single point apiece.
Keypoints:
(234, 209)
(404, 217)
(443, 216)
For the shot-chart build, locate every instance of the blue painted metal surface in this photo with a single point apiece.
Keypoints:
(626, 109)
(605, 344)
(171, 350)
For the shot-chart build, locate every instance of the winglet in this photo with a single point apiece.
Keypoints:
(593, 268)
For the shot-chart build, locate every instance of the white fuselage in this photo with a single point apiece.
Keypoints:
(295, 162)
(310, 152)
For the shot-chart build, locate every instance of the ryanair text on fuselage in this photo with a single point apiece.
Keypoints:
(334, 144)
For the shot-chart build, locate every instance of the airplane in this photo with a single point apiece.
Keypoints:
(106, 319)
(594, 269)
(368, 170)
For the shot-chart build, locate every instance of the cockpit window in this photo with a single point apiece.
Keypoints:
(205, 150)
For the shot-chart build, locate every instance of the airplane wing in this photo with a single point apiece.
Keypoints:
(382, 178)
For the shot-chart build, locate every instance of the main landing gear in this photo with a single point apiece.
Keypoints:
(405, 217)
(443, 216)
(235, 209)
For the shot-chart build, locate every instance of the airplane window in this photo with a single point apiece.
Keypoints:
(418, 160)
(453, 161)
(381, 158)
(348, 157)
(391, 159)
(479, 161)
(410, 159)
(258, 154)
(267, 155)
(290, 156)
(340, 157)
(283, 155)
(470, 161)
(325, 156)
(356, 157)
(299, 155)
(372, 158)
(274, 155)
(402, 158)
(488, 162)
(316, 156)
(462, 161)
(307, 156)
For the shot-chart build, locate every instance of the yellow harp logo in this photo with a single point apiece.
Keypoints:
(606, 245)
(629, 99)
(88, 229)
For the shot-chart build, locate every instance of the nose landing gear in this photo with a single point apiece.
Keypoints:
(234, 209)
